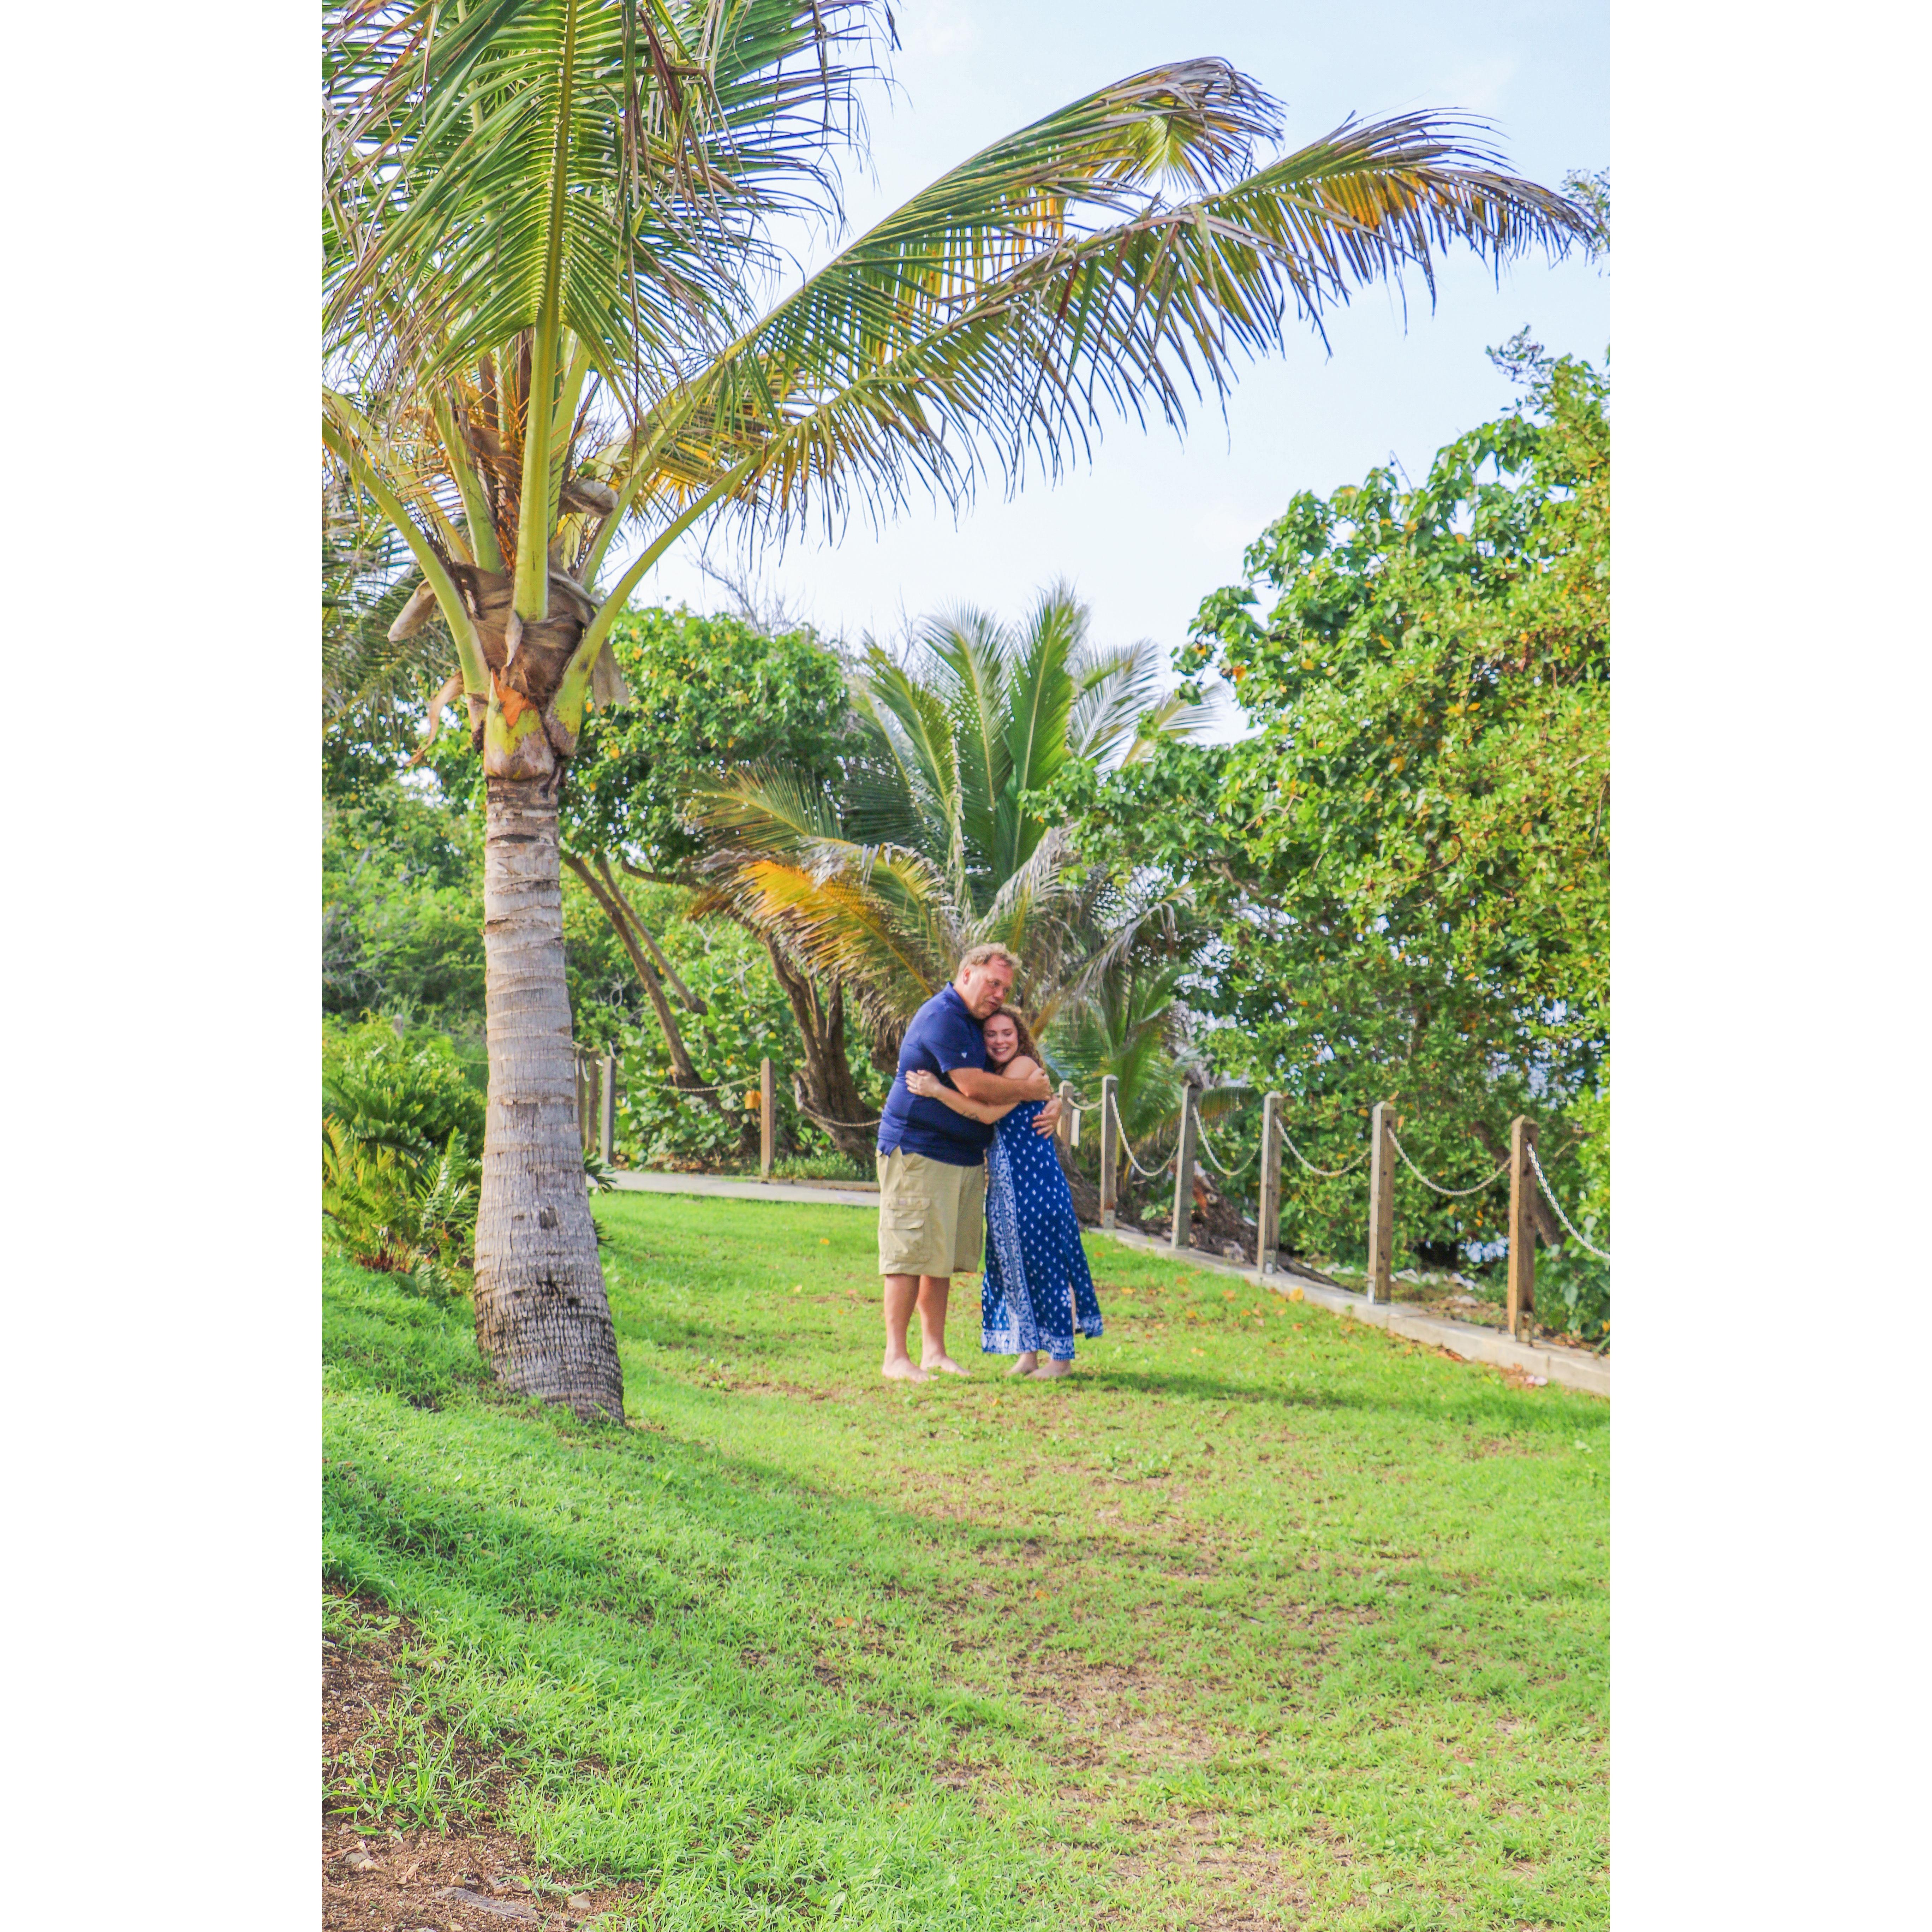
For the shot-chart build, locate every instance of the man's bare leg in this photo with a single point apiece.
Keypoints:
(932, 1356)
(901, 1293)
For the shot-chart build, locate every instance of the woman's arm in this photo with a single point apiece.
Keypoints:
(1020, 1081)
(933, 1088)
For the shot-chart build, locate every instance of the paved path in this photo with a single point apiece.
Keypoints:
(858, 1194)
(1573, 1368)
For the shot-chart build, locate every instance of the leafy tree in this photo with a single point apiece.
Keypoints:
(709, 696)
(403, 916)
(545, 226)
(1404, 870)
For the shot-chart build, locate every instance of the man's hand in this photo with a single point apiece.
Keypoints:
(1049, 1117)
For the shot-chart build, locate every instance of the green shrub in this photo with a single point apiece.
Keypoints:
(1573, 1289)
(398, 1214)
(407, 1093)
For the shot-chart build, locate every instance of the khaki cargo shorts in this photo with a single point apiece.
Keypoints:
(932, 1215)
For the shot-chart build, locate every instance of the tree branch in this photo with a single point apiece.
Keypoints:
(692, 1003)
(683, 1073)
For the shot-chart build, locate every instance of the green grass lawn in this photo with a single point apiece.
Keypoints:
(1261, 1617)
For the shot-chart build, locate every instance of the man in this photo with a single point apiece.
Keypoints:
(932, 1162)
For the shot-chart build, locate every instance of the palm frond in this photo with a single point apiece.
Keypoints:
(1039, 701)
(963, 656)
(989, 322)
(682, 131)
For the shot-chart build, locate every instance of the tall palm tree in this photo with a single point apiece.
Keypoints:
(547, 235)
(929, 844)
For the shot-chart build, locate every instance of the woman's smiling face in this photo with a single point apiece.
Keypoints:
(1003, 1038)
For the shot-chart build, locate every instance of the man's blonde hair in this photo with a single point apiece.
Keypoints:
(985, 955)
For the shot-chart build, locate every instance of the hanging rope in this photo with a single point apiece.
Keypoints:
(671, 1087)
(1556, 1209)
(1126, 1146)
(824, 1123)
(1324, 1173)
(1436, 1187)
(1213, 1160)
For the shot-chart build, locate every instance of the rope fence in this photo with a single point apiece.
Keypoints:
(1522, 1169)
(597, 1079)
(823, 1122)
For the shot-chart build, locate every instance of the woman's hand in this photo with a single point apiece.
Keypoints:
(919, 1080)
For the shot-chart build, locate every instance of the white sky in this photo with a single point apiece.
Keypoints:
(1154, 524)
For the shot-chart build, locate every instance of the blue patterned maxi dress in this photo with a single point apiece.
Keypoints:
(1037, 1290)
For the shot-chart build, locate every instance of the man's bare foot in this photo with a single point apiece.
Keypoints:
(942, 1365)
(902, 1370)
(1023, 1365)
(1052, 1371)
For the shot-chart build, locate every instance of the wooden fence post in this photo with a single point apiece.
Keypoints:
(583, 1099)
(1183, 1172)
(1064, 1132)
(1382, 1202)
(607, 1135)
(1110, 1148)
(767, 1119)
(1522, 1304)
(1268, 1213)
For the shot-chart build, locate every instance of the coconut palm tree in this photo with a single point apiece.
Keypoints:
(928, 843)
(548, 253)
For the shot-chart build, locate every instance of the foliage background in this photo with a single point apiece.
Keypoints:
(1395, 886)
(1399, 880)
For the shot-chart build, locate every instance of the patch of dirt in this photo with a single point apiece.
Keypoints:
(1254, 1887)
(380, 1873)
(1108, 1710)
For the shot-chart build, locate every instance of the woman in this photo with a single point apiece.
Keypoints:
(1037, 1290)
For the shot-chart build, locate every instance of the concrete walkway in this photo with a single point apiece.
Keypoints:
(829, 1193)
(1572, 1368)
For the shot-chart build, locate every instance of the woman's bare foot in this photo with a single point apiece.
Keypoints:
(902, 1369)
(1023, 1365)
(1052, 1371)
(941, 1365)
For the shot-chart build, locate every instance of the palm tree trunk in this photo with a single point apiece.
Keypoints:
(542, 1318)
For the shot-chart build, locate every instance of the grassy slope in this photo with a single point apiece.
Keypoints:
(1261, 1613)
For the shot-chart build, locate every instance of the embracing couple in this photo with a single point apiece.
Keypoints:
(966, 1157)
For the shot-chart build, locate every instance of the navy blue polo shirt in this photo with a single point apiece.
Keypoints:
(943, 1036)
